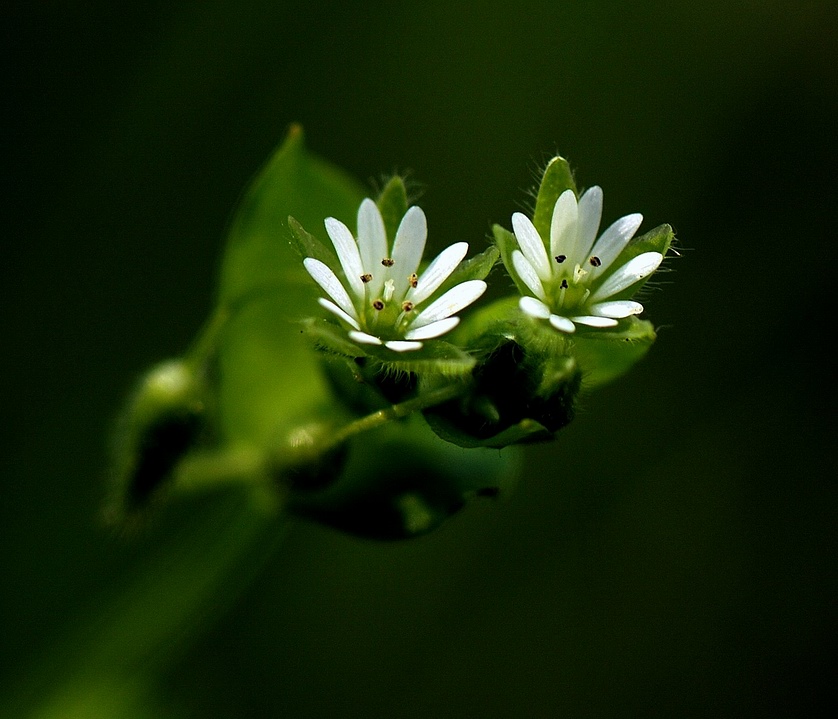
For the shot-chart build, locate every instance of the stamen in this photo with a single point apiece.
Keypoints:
(563, 285)
(387, 262)
(366, 277)
(413, 280)
(407, 306)
(378, 305)
(561, 258)
(595, 261)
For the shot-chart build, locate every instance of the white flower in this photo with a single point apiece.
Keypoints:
(568, 274)
(381, 295)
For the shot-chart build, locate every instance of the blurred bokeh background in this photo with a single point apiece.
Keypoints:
(673, 553)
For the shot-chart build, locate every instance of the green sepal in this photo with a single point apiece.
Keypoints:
(488, 326)
(434, 358)
(556, 179)
(392, 203)
(329, 337)
(307, 245)
(659, 239)
(604, 355)
(507, 244)
(474, 268)
(403, 482)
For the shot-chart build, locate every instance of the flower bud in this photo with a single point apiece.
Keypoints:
(515, 395)
(163, 420)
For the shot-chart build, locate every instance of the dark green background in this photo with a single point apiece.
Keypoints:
(672, 554)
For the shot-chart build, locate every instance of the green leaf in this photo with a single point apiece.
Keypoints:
(307, 245)
(401, 481)
(556, 179)
(270, 377)
(527, 430)
(258, 256)
(392, 203)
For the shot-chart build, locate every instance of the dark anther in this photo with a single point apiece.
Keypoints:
(407, 306)
(366, 277)
(595, 261)
(564, 284)
(387, 262)
(413, 280)
(561, 258)
(378, 305)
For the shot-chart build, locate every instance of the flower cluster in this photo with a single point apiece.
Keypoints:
(382, 297)
(570, 273)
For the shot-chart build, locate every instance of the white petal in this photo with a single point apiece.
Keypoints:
(435, 329)
(634, 270)
(372, 242)
(364, 338)
(322, 274)
(332, 307)
(348, 255)
(534, 308)
(531, 245)
(563, 324)
(563, 228)
(437, 272)
(453, 301)
(590, 214)
(400, 346)
(617, 309)
(595, 321)
(527, 274)
(408, 248)
(613, 240)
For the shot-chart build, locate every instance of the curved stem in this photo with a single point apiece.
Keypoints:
(396, 411)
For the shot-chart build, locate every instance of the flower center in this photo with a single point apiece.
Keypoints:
(568, 290)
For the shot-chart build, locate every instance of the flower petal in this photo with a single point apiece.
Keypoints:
(531, 245)
(372, 242)
(633, 271)
(534, 308)
(528, 275)
(591, 321)
(613, 240)
(563, 324)
(364, 338)
(322, 274)
(617, 309)
(563, 228)
(437, 272)
(590, 214)
(408, 248)
(347, 249)
(333, 308)
(453, 301)
(435, 329)
(401, 346)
